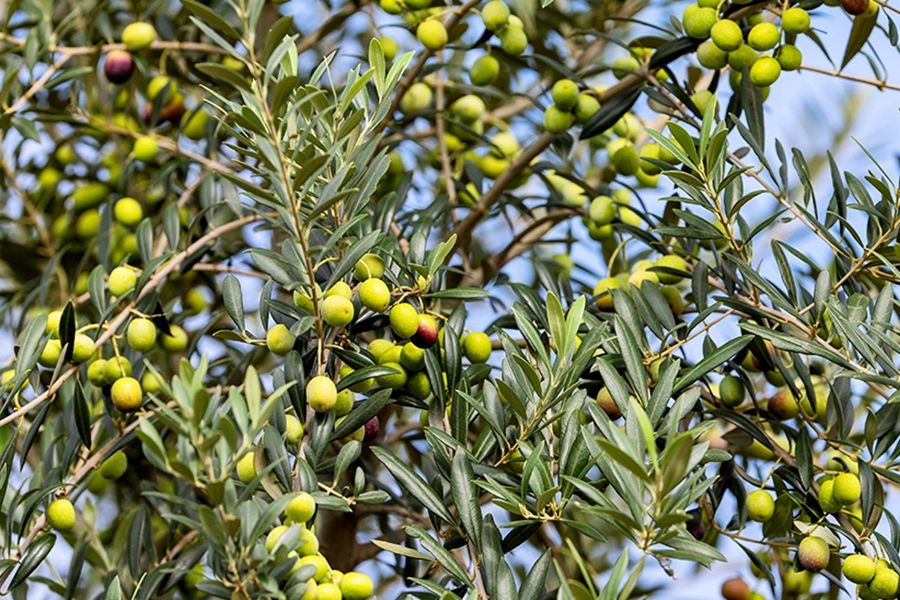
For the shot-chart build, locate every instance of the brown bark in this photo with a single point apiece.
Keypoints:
(337, 538)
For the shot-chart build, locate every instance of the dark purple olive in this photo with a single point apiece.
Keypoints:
(372, 428)
(118, 66)
(427, 334)
(171, 112)
(695, 526)
(856, 7)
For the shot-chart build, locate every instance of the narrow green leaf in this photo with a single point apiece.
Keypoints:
(353, 254)
(361, 414)
(439, 254)
(401, 550)
(622, 458)
(212, 18)
(725, 352)
(67, 329)
(34, 555)
(556, 318)
(81, 415)
(465, 496)
(234, 301)
(823, 290)
(859, 34)
(440, 554)
(609, 113)
(611, 589)
(533, 585)
(413, 484)
(349, 452)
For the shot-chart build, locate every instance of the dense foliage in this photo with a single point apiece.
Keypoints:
(440, 298)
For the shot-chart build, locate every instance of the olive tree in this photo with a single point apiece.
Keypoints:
(442, 299)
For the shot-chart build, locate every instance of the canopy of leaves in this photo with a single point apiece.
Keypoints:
(503, 304)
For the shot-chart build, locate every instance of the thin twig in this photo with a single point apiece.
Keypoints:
(881, 85)
(69, 51)
(440, 106)
(217, 268)
(37, 86)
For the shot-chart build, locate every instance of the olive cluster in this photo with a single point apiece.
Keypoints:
(432, 33)
(839, 489)
(414, 331)
(297, 538)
